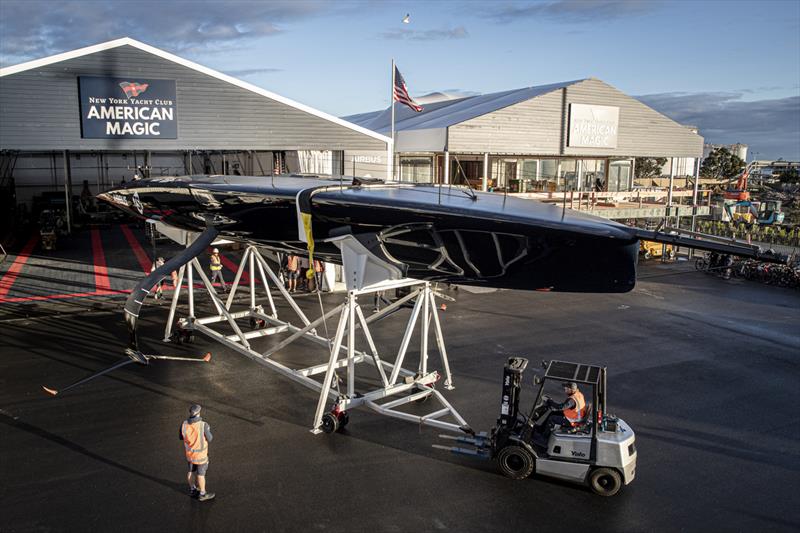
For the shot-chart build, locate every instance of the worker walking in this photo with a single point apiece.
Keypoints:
(196, 434)
(216, 269)
(293, 271)
(319, 270)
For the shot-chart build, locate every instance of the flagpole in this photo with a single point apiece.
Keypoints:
(391, 103)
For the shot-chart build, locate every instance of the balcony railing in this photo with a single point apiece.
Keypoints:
(589, 200)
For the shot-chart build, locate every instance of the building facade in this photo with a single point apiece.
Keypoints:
(573, 136)
(767, 169)
(104, 114)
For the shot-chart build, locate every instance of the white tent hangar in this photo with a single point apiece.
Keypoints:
(89, 115)
(572, 135)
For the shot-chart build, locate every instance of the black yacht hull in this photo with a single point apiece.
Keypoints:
(437, 233)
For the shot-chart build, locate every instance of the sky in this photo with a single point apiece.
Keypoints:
(732, 68)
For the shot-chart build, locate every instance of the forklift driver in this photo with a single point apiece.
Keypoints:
(571, 411)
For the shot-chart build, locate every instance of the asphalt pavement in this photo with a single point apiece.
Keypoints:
(706, 372)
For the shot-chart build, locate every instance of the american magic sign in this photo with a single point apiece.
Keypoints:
(593, 126)
(128, 108)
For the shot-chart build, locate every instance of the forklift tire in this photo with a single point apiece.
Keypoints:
(605, 481)
(515, 462)
(330, 423)
(648, 255)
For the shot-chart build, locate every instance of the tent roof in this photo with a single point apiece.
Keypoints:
(127, 41)
(446, 113)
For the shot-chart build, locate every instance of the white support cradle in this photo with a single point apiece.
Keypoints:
(400, 384)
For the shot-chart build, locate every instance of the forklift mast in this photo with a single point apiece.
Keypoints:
(600, 409)
(512, 380)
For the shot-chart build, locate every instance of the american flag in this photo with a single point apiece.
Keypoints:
(401, 92)
(133, 89)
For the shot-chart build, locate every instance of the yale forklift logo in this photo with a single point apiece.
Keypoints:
(132, 89)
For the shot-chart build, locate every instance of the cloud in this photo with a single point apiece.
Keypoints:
(570, 10)
(404, 34)
(769, 127)
(766, 89)
(251, 72)
(36, 29)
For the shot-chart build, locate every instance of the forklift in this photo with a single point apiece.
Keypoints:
(598, 451)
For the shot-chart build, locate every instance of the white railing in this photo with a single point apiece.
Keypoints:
(640, 197)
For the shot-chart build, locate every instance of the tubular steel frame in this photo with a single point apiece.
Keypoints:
(404, 385)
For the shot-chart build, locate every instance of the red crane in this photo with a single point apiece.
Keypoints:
(740, 192)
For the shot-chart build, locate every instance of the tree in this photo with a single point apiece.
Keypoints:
(649, 167)
(790, 175)
(721, 164)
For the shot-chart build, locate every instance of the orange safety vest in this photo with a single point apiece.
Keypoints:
(216, 264)
(194, 440)
(578, 413)
(292, 262)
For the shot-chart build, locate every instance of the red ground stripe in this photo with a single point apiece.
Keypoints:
(16, 266)
(233, 267)
(101, 282)
(138, 251)
(61, 296)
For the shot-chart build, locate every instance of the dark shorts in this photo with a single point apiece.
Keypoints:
(294, 274)
(200, 469)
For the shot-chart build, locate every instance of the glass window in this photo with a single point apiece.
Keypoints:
(416, 169)
(568, 176)
(529, 169)
(529, 176)
(619, 176)
(466, 172)
(510, 176)
(548, 173)
(504, 174)
(594, 174)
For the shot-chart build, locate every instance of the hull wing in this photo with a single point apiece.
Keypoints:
(431, 232)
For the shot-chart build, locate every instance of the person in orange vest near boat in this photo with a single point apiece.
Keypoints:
(319, 269)
(293, 271)
(572, 410)
(196, 435)
(216, 269)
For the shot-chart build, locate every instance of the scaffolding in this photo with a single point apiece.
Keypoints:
(398, 386)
